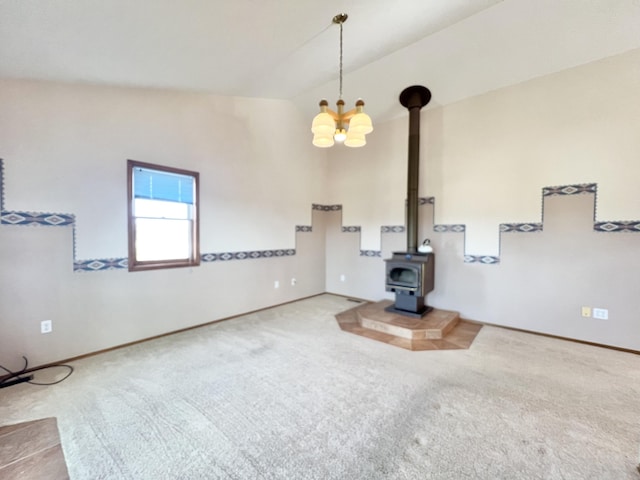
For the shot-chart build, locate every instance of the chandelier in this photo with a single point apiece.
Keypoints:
(349, 127)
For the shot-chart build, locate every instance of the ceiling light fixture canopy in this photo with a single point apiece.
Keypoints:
(349, 127)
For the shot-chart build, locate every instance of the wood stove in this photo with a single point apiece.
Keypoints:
(410, 274)
(410, 277)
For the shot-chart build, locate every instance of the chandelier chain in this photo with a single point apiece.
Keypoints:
(340, 97)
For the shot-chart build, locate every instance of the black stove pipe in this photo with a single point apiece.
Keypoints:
(413, 98)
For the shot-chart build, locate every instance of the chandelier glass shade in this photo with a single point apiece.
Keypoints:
(349, 127)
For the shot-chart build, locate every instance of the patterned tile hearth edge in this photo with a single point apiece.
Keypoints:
(8, 217)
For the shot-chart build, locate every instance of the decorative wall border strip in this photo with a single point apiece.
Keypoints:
(37, 219)
(17, 218)
(123, 263)
(624, 226)
(621, 226)
(326, 208)
(102, 264)
(577, 189)
(455, 228)
(392, 229)
(485, 259)
(520, 227)
(249, 255)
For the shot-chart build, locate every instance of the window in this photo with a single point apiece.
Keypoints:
(163, 217)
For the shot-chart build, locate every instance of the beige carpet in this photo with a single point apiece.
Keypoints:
(285, 394)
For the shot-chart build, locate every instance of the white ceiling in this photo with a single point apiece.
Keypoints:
(290, 49)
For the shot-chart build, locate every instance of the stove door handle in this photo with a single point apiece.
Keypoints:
(398, 287)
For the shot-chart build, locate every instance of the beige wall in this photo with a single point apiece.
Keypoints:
(540, 284)
(64, 150)
(486, 161)
(64, 144)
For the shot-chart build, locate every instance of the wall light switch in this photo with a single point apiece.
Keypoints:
(586, 311)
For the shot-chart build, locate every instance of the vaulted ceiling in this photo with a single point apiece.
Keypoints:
(290, 48)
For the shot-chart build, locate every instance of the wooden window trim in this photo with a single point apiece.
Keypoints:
(139, 265)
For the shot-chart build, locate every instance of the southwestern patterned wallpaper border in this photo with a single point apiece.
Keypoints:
(8, 217)
(625, 226)
(38, 219)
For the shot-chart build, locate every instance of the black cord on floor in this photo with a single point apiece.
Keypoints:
(7, 380)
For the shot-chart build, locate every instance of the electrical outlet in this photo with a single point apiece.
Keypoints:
(601, 313)
(342, 278)
(46, 326)
(586, 311)
(276, 284)
(293, 282)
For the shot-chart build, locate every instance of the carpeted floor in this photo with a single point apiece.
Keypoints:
(285, 394)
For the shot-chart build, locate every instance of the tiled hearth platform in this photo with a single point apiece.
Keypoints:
(438, 330)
